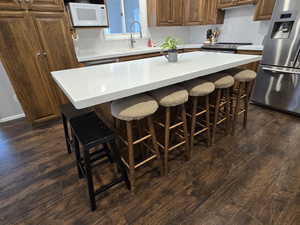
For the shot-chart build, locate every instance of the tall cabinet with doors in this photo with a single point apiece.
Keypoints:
(35, 39)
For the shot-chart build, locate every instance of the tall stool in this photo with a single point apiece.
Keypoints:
(241, 94)
(172, 98)
(199, 90)
(89, 132)
(222, 102)
(132, 110)
(68, 112)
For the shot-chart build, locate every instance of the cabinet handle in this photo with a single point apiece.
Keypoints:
(44, 53)
(38, 54)
(20, 1)
(27, 1)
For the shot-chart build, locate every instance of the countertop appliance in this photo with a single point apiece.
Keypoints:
(226, 47)
(278, 80)
(88, 15)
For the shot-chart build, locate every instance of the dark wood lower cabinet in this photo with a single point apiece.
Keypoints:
(252, 66)
(31, 45)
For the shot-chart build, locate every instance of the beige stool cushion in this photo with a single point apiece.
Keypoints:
(221, 80)
(134, 107)
(245, 76)
(170, 96)
(199, 87)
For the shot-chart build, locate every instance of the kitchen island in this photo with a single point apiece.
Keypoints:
(94, 85)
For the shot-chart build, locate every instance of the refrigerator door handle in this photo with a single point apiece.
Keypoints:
(276, 70)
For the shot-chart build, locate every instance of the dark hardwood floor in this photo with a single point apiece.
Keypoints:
(250, 179)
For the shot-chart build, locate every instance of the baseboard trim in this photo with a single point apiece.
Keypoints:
(10, 118)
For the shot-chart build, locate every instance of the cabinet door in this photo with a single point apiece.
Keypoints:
(11, 4)
(213, 14)
(226, 3)
(194, 12)
(19, 53)
(245, 2)
(264, 9)
(46, 5)
(55, 38)
(169, 12)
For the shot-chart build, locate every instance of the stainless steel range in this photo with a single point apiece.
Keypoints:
(278, 81)
(227, 47)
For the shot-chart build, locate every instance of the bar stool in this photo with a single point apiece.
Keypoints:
(68, 112)
(132, 110)
(222, 102)
(88, 132)
(241, 93)
(172, 98)
(199, 90)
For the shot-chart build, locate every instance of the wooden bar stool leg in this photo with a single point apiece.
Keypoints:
(186, 134)
(237, 107)
(154, 142)
(208, 121)
(227, 110)
(66, 130)
(77, 155)
(193, 123)
(167, 138)
(89, 179)
(216, 115)
(130, 154)
(120, 166)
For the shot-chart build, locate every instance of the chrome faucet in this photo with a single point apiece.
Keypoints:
(132, 41)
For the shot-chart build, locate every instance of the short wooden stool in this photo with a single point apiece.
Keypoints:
(172, 98)
(69, 112)
(132, 110)
(200, 119)
(88, 132)
(222, 102)
(244, 82)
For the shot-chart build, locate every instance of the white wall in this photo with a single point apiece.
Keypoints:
(9, 105)
(238, 27)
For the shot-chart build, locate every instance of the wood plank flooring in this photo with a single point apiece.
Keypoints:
(250, 179)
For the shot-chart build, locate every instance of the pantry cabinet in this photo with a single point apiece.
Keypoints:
(39, 5)
(264, 9)
(11, 4)
(32, 44)
(19, 55)
(46, 5)
(194, 12)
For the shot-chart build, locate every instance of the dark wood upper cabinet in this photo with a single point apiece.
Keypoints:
(213, 14)
(194, 12)
(11, 4)
(165, 12)
(264, 9)
(46, 5)
(20, 55)
(169, 12)
(231, 3)
(54, 35)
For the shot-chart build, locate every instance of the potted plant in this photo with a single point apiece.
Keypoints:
(170, 44)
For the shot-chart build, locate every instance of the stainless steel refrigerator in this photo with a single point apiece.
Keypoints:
(278, 80)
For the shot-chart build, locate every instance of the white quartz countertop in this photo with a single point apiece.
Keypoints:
(89, 86)
(251, 47)
(92, 56)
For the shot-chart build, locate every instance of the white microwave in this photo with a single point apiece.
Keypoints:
(88, 15)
